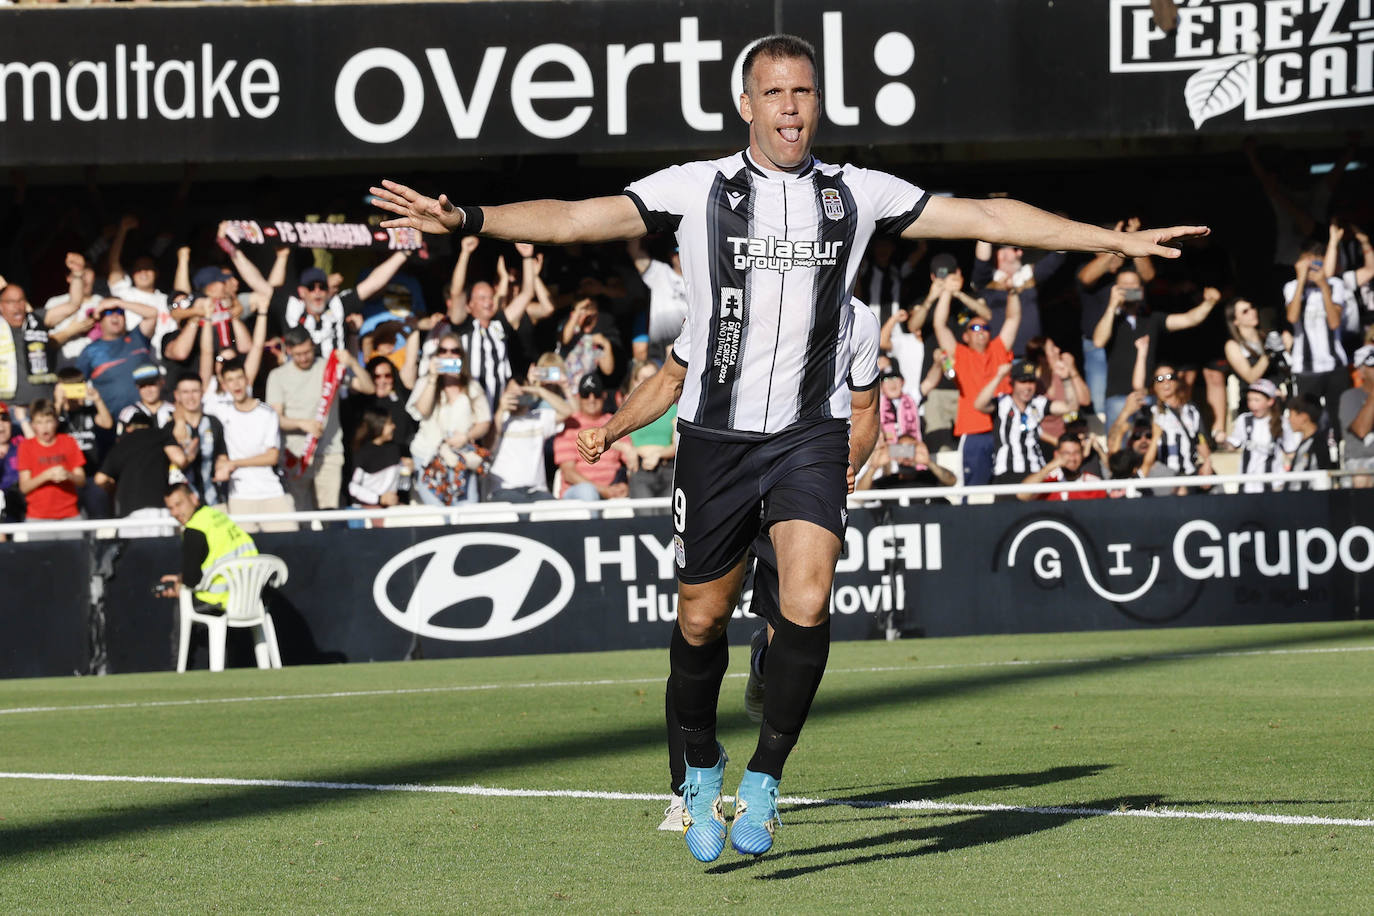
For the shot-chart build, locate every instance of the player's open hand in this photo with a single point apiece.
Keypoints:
(1155, 242)
(591, 443)
(416, 211)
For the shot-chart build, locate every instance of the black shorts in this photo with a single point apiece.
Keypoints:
(726, 493)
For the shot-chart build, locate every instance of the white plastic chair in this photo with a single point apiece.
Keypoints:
(246, 578)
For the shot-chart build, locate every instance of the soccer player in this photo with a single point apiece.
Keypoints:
(770, 240)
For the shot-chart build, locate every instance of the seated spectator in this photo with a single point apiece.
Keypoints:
(1315, 310)
(201, 438)
(252, 446)
(901, 464)
(306, 400)
(148, 379)
(1313, 452)
(51, 467)
(1176, 440)
(1263, 436)
(26, 351)
(376, 461)
(11, 499)
(527, 417)
(1065, 467)
(454, 416)
(1016, 418)
(976, 363)
(1358, 405)
(110, 360)
(655, 446)
(585, 342)
(1126, 320)
(135, 472)
(608, 478)
(1011, 273)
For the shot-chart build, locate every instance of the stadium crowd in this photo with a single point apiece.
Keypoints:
(136, 352)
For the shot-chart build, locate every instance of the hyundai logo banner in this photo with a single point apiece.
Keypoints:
(580, 586)
(117, 85)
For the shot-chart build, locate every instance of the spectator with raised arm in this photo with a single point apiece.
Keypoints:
(1016, 417)
(1057, 371)
(1357, 274)
(977, 360)
(1250, 354)
(527, 417)
(667, 296)
(307, 404)
(322, 313)
(1315, 306)
(454, 416)
(1176, 439)
(139, 285)
(1095, 281)
(252, 445)
(1012, 273)
(1127, 319)
(902, 335)
(110, 360)
(377, 461)
(26, 366)
(585, 342)
(71, 315)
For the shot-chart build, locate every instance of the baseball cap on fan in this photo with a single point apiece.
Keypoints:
(591, 386)
(1363, 357)
(207, 275)
(312, 275)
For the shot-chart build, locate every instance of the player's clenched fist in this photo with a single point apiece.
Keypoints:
(591, 443)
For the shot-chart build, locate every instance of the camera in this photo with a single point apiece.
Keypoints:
(897, 452)
(450, 365)
(159, 588)
(941, 273)
(549, 374)
(1132, 295)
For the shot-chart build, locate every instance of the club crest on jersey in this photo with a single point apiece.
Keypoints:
(832, 204)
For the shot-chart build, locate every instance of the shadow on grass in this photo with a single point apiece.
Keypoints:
(911, 842)
(474, 765)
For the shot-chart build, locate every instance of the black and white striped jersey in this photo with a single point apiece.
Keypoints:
(863, 347)
(1018, 435)
(1179, 429)
(1316, 345)
(1260, 454)
(769, 259)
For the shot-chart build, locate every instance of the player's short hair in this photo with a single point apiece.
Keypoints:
(777, 47)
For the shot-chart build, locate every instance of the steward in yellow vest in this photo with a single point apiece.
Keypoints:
(208, 537)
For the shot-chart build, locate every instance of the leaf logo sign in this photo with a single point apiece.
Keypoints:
(1219, 87)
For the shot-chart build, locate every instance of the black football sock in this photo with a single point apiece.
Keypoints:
(793, 670)
(677, 764)
(695, 688)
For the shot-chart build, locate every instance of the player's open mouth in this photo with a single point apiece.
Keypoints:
(790, 134)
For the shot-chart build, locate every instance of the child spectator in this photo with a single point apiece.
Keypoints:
(51, 467)
(1262, 434)
(376, 461)
(898, 414)
(1313, 452)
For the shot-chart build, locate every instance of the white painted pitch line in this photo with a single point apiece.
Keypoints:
(913, 805)
(624, 682)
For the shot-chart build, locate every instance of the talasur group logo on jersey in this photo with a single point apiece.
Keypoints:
(773, 253)
(1271, 58)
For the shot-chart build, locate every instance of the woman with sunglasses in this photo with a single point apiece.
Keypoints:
(1176, 439)
(454, 416)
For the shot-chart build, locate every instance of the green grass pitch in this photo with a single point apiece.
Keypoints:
(1269, 721)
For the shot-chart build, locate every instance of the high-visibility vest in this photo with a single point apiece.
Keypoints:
(225, 539)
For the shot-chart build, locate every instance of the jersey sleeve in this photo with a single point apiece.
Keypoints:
(682, 346)
(896, 202)
(662, 198)
(863, 366)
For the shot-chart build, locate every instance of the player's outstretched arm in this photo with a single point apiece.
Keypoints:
(645, 404)
(549, 222)
(1010, 222)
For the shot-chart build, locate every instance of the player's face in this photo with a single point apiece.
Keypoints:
(783, 111)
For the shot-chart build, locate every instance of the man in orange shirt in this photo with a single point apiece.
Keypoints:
(976, 361)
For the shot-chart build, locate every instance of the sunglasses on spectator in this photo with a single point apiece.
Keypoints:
(316, 286)
(977, 327)
(108, 312)
(1166, 377)
(377, 375)
(452, 350)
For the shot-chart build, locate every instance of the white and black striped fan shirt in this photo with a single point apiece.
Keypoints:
(1260, 454)
(769, 259)
(1018, 435)
(1316, 345)
(1179, 429)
